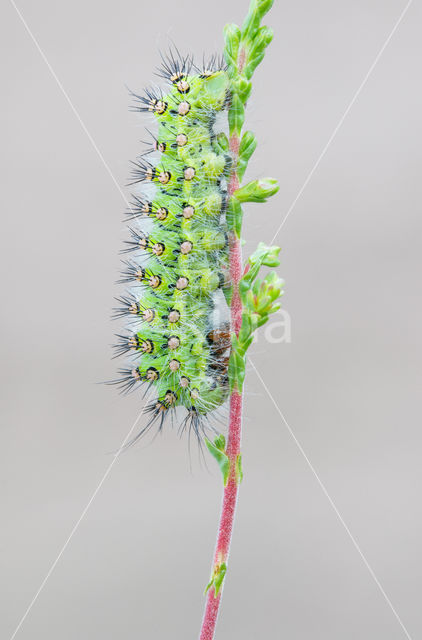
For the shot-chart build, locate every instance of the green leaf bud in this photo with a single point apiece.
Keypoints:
(222, 142)
(247, 147)
(242, 87)
(220, 442)
(232, 39)
(219, 578)
(221, 458)
(236, 115)
(236, 369)
(263, 6)
(234, 216)
(257, 191)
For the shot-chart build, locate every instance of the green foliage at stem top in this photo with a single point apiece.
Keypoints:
(244, 49)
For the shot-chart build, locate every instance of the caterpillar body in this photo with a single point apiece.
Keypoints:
(176, 256)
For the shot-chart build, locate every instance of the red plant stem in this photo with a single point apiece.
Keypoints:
(228, 508)
(227, 516)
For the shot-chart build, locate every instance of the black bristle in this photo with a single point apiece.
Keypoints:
(131, 273)
(138, 242)
(127, 380)
(123, 311)
(143, 171)
(173, 63)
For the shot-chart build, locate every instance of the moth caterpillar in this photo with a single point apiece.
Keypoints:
(176, 253)
(183, 252)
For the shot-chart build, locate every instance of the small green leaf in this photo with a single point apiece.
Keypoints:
(236, 115)
(246, 346)
(219, 578)
(262, 320)
(231, 65)
(236, 369)
(246, 149)
(234, 216)
(246, 328)
(257, 10)
(256, 287)
(232, 39)
(264, 256)
(275, 307)
(252, 65)
(251, 23)
(222, 459)
(256, 50)
(243, 289)
(273, 285)
(263, 6)
(262, 39)
(257, 191)
(220, 442)
(249, 299)
(242, 87)
(222, 142)
(247, 145)
(209, 585)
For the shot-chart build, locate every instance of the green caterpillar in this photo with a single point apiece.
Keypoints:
(178, 259)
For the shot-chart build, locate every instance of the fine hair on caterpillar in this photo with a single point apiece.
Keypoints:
(176, 251)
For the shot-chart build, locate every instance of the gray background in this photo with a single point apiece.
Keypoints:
(348, 383)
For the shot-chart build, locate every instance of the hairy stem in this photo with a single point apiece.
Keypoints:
(228, 508)
(244, 50)
(226, 518)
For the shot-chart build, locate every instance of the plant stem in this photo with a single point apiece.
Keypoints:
(244, 50)
(228, 508)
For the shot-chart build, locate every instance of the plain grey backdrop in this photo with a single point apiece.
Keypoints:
(348, 383)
